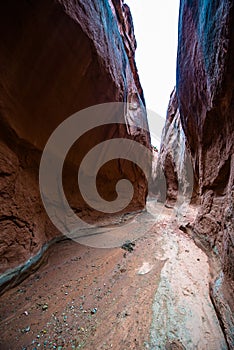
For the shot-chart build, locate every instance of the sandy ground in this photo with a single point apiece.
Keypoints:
(155, 297)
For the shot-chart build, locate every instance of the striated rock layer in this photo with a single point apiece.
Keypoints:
(58, 57)
(203, 109)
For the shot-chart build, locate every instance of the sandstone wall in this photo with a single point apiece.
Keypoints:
(205, 114)
(58, 57)
(174, 180)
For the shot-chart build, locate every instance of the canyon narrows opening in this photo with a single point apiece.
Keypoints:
(124, 255)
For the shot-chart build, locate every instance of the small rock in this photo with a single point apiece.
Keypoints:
(26, 329)
(186, 292)
(145, 268)
(126, 314)
(174, 345)
(183, 228)
(94, 311)
(128, 245)
(44, 307)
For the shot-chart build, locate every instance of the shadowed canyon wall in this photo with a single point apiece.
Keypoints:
(202, 108)
(58, 57)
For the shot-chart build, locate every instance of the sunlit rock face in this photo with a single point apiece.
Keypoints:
(205, 85)
(58, 57)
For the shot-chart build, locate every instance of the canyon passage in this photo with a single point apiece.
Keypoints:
(168, 281)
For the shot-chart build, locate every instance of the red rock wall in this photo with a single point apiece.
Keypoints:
(174, 173)
(205, 86)
(58, 57)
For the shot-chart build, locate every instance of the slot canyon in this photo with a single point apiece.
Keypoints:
(157, 273)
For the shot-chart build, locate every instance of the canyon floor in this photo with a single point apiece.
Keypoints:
(153, 294)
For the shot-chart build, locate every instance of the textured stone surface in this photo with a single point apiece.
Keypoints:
(205, 85)
(58, 57)
(173, 174)
(205, 92)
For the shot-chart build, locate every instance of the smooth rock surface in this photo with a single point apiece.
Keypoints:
(204, 89)
(58, 57)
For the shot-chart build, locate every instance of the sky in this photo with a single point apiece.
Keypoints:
(156, 28)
